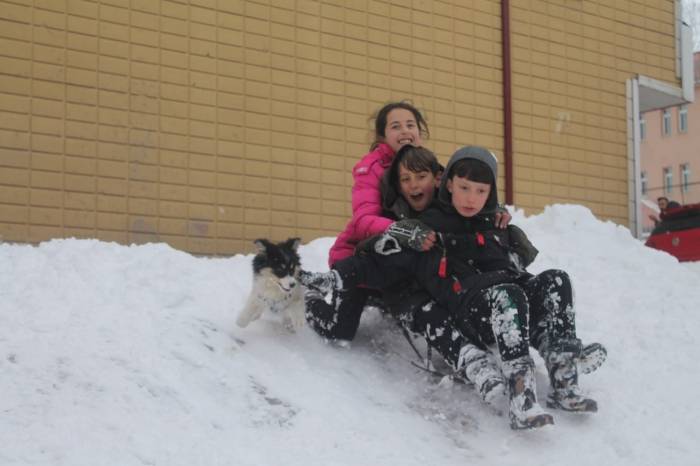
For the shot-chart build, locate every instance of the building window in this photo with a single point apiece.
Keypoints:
(683, 119)
(685, 177)
(642, 128)
(643, 179)
(668, 180)
(666, 123)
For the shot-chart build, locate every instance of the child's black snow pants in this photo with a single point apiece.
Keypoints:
(339, 319)
(415, 311)
(515, 313)
(535, 311)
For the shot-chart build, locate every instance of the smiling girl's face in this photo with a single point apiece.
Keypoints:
(401, 129)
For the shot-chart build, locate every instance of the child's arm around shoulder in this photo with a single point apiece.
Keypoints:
(521, 245)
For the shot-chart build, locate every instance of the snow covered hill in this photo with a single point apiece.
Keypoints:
(114, 355)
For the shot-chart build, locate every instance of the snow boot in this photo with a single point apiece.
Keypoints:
(525, 412)
(481, 369)
(591, 357)
(323, 282)
(563, 377)
(311, 295)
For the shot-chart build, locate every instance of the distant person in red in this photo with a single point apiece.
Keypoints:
(664, 205)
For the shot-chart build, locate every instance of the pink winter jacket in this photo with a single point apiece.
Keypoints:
(366, 218)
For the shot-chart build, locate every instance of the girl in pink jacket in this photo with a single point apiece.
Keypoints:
(396, 124)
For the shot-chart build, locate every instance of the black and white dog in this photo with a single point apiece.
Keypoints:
(275, 284)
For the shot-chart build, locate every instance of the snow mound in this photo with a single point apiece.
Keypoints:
(121, 355)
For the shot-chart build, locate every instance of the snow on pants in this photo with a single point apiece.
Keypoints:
(537, 311)
(339, 319)
(436, 324)
(435, 320)
(540, 307)
(552, 315)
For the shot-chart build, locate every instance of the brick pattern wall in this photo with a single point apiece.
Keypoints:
(206, 124)
(570, 62)
(209, 124)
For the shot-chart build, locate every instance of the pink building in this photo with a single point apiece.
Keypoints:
(670, 154)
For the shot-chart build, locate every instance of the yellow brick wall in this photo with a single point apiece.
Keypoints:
(208, 123)
(570, 64)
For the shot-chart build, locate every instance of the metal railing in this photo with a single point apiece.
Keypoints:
(670, 191)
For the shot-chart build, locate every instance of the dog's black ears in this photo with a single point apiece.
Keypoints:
(261, 245)
(293, 243)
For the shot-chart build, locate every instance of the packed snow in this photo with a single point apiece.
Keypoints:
(129, 355)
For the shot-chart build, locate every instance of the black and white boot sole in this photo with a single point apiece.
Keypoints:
(592, 356)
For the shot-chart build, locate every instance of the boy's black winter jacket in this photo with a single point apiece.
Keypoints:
(476, 245)
(476, 253)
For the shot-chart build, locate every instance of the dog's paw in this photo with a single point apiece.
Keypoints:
(294, 320)
(291, 325)
(242, 321)
(247, 315)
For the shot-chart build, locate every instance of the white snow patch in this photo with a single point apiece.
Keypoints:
(116, 355)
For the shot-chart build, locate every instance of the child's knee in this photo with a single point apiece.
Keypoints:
(558, 277)
(508, 296)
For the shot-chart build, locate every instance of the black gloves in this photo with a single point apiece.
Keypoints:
(409, 233)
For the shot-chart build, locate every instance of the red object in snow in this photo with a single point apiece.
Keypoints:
(678, 233)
